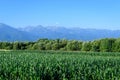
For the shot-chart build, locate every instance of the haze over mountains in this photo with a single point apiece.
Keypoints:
(33, 33)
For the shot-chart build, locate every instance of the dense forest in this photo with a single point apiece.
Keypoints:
(102, 45)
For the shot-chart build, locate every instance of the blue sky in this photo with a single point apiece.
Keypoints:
(100, 14)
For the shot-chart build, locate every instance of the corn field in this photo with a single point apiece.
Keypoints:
(51, 65)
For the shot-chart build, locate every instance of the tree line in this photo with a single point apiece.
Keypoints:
(102, 45)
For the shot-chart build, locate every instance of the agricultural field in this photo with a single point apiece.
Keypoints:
(59, 65)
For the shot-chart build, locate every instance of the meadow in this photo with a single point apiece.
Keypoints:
(59, 65)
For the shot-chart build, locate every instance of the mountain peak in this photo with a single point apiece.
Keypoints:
(2, 25)
(53, 32)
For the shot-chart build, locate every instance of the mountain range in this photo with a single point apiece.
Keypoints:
(33, 33)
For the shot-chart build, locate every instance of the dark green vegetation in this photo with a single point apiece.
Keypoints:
(51, 65)
(103, 45)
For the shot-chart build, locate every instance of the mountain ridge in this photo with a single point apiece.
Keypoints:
(32, 33)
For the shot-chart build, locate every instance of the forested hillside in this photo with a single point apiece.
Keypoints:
(102, 45)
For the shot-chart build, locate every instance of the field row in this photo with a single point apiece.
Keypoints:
(49, 65)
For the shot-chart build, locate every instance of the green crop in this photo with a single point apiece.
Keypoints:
(51, 65)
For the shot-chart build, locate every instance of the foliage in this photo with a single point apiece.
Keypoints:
(102, 45)
(51, 65)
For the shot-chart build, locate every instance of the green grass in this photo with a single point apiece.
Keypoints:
(58, 65)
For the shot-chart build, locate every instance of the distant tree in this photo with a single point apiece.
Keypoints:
(95, 46)
(63, 43)
(103, 45)
(55, 46)
(41, 46)
(23, 45)
(79, 45)
(116, 45)
(48, 46)
(16, 46)
(29, 45)
(72, 45)
(106, 45)
(0, 45)
(9, 46)
(3, 45)
(86, 46)
(42, 40)
(35, 46)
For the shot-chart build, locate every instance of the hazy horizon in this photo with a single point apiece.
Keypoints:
(55, 26)
(93, 14)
